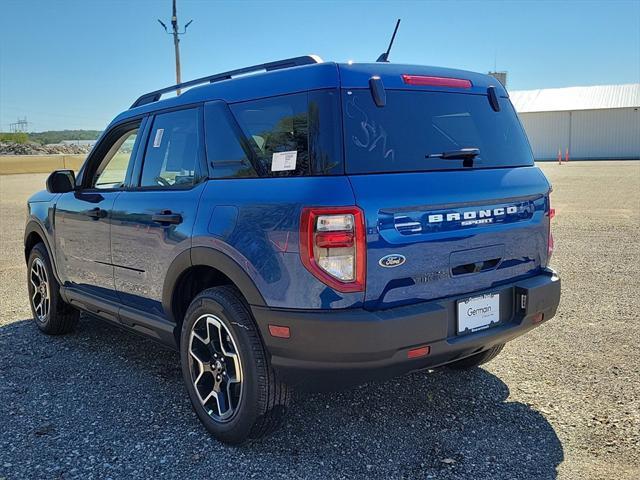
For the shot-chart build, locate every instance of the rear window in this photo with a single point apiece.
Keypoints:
(401, 136)
(293, 135)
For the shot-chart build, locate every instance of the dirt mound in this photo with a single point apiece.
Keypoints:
(11, 148)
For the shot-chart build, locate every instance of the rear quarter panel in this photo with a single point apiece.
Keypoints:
(256, 222)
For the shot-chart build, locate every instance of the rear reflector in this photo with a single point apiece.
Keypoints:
(419, 352)
(538, 317)
(425, 81)
(279, 332)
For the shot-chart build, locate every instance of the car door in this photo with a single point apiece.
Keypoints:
(82, 217)
(153, 219)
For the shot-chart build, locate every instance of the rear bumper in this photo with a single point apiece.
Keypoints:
(336, 348)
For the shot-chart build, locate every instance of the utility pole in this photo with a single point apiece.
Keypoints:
(176, 40)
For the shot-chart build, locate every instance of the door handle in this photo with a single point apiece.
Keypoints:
(167, 218)
(96, 213)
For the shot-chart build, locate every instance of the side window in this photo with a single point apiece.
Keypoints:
(171, 156)
(278, 130)
(225, 152)
(112, 171)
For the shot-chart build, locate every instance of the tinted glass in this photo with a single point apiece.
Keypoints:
(113, 171)
(399, 136)
(293, 135)
(325, 134)
(225, 152)
(278, 129)
(171, 156)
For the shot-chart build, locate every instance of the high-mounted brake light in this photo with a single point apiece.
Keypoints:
(428, 81)
(333, 246)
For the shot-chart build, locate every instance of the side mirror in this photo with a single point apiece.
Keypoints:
(61, 181)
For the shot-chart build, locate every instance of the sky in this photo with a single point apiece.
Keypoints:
(76, 64)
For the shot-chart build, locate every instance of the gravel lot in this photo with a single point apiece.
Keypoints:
(563, 401)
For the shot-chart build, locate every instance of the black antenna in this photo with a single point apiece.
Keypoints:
(385, 56)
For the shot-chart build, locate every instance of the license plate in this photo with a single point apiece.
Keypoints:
(477, 313)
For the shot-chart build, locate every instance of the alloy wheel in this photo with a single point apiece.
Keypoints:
(215, 366)
(40, 298)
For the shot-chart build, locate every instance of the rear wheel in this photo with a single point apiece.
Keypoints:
(477, 359)
(52, 315)
(232, 387)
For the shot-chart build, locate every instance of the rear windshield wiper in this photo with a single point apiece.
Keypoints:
(462, 154)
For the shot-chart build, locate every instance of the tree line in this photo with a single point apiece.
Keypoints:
(50, 136)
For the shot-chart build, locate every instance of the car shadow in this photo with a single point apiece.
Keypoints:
(123, 391)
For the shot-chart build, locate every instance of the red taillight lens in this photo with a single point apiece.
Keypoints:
(427, 81)
(334, 239)
(333, 246)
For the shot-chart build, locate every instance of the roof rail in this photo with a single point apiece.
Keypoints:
(277, 65)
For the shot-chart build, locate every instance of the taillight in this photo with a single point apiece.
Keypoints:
(552, 213)
(333, 246)
(429, 81)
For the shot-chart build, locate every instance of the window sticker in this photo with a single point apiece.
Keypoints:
(283, 161)
(158, 139)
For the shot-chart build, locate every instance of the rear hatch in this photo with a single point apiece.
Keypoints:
(443, 171)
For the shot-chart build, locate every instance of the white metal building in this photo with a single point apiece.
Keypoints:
(600, 122)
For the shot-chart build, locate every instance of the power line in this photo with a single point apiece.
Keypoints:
(176, 40)
(19, 126)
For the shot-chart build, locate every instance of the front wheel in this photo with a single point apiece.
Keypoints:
(231, 385)
(52, 315)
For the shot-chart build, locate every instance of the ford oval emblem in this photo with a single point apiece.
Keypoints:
(393, 260)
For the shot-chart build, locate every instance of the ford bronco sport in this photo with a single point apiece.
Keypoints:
(301, 223)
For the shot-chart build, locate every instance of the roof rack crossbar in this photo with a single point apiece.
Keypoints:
(277, 65)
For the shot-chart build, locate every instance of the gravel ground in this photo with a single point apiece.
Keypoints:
(562, 401)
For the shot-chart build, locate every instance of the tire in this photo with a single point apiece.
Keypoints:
(256, 401)
(52, 315)
(477, 359)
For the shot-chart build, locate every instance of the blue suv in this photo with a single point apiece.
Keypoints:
(302, 224)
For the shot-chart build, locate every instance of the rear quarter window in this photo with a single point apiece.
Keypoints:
(293, 135)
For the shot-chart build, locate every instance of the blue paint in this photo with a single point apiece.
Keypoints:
(253, 218)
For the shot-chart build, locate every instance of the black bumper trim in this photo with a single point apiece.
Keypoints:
(357, 345)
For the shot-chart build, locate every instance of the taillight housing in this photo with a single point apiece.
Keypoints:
(333, 246)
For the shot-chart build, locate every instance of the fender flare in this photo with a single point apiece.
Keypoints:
(209, 257)
(33, 226)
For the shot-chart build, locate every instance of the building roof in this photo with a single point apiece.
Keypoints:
(577, 98)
